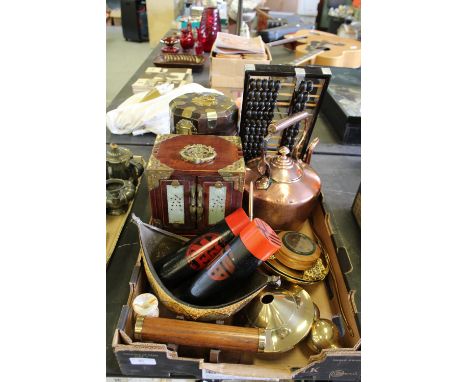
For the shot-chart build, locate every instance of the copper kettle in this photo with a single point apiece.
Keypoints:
(285, 187)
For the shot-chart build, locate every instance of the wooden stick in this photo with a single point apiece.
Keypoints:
(287, 104)
(287, 85)
(289, 95)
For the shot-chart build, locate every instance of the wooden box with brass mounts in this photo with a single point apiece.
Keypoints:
(203, 113)
(194, 181)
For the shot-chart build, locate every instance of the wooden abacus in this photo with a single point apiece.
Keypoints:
(272, 92)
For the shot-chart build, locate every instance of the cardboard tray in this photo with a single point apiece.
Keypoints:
(229, 72)
(165, 360)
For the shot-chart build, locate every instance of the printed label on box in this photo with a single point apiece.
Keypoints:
(213, 375)
(142, 361)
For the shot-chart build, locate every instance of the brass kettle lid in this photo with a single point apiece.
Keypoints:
(283, 168)
(117, 154)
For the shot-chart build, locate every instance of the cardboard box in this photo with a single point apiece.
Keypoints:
(232, 93)
(332, 297)
(229, 72)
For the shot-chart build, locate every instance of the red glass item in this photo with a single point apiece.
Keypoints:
(210, 25)
(170, 42)
(198, 48)
(186, 39)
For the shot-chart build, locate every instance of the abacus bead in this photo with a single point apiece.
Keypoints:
(277, 85)
(258, 84)
(310, 86)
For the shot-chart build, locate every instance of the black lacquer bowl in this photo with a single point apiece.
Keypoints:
(157, 242)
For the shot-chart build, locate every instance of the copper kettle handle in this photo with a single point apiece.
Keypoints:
(276, 127)
(310, 149)
(282, 124)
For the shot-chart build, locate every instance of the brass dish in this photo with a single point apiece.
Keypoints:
(157, 242)
(313, 275)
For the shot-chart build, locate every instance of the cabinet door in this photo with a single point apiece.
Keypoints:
(214, 200)
(178, 201)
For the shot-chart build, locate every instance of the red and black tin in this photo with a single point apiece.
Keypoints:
(239, 258)
(198, 252)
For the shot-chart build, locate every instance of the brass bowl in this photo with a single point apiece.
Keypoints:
(119, 193)
(157, 242)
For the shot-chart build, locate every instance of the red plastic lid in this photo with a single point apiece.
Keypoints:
(237, 220)
(260, 239)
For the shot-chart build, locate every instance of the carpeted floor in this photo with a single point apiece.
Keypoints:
(123, 59)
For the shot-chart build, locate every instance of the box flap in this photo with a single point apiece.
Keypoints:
(120, 325)
(134, 276)
(343, 365)
(125, 338)
(230, 371)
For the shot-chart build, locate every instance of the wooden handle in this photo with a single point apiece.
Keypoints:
(197, 334)
(263, 13)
